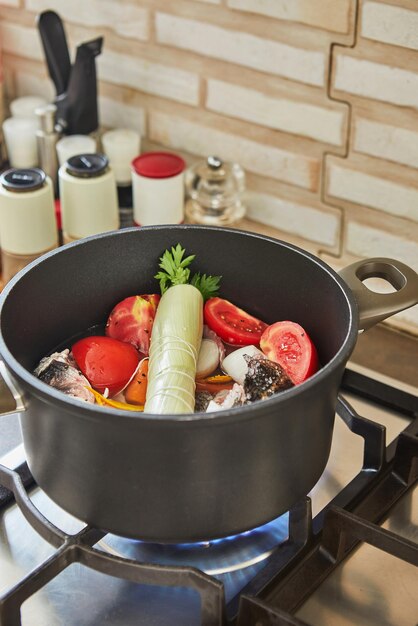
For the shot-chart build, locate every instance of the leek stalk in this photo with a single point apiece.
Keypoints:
(174, 349)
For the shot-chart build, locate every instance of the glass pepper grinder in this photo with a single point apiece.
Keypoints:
(214, 190)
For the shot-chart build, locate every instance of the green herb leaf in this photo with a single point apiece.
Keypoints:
(207, 285)
(174, 268)
(175, 271)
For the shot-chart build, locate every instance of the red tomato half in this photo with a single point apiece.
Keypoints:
(233, 325)
(289, 345)
(131, 320)
(106, 362)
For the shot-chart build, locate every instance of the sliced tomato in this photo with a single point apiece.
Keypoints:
(131, 320)
(289, 345)
(233, 325)
(106, 362)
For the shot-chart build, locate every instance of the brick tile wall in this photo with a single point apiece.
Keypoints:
(375, 183)
(316, 99)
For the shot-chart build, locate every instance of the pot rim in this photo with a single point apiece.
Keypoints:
(95, 412)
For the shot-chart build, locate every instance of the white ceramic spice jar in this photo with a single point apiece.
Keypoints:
(20, 138)
(25, 106)
(28, 225)
(71, 145)
(88, 196)
(158, 188)
(121, 145)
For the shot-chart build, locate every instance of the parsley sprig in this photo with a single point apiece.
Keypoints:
(175, 271)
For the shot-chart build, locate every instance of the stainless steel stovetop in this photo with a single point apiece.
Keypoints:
(370, 587)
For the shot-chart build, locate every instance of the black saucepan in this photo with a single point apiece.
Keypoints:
(186, 477)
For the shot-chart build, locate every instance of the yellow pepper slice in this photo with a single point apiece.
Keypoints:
(100, 399)
(219, 378)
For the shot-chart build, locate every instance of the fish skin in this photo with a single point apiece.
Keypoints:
(202, 401)
(264, 378)
(60, 372)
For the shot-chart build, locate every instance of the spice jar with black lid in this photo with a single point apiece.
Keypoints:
(88, 195)
(28, 225)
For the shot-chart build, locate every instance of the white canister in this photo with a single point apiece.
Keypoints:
(71, 145)
(158, 188)
(88, 196)
(20, 138)
(25, 106)
(28, 225)
(121, 145)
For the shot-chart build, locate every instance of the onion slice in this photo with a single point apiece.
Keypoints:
(208, 359)
(236, 366)
(210, 334)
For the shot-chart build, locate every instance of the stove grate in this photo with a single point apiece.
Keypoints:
(342, 531)
(78, 549)
(294, 570)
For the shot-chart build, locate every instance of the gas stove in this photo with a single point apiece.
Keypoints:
(345, 555)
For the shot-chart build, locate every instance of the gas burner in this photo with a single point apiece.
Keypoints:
(214, 557)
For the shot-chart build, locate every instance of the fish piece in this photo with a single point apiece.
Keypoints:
(227, 399)
(264, 378)
(202, 400)
(61, 357)
(59, 370)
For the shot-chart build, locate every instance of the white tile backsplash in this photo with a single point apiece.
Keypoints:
(114, 114)
(294, 218)
(378, 193)
(127, 19)
(377, 81)
(390, 24)
(279, 113)
(367, 241)
(31, 85)
(284, 165)
(386, 141)
(21, 41)
(300, 64)
(328, 14)
(316, 99)
(153, 78)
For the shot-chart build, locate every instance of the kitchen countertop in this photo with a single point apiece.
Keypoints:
(390, 352)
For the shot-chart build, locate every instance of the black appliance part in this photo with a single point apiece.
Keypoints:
(54, 41)
(76, 85)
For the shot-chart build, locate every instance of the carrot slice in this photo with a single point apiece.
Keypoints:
(136, 391)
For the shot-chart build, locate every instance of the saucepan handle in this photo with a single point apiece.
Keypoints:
(375, 307)
(10, 398)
